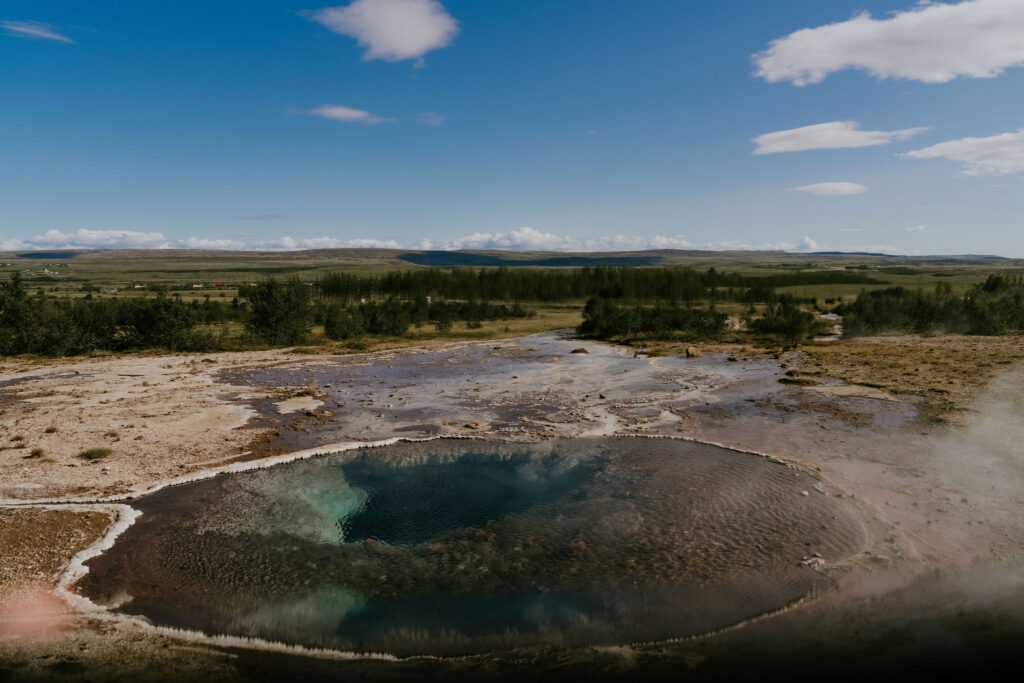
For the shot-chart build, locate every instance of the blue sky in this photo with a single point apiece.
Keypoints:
(566, 124)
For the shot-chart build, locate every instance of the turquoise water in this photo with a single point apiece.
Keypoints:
(452, 547)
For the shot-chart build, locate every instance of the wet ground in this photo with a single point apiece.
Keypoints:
(528, 389)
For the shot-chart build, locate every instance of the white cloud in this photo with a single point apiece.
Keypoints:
(831, 135)
(430, 118)
(918, 228)
(100, 239)
(292, 244)
(520, 239)
(995, 155)
(33, 29)
(832, 189)
(12, 244)
(205, 243)
(530, 239)
(392, 30)
(129, 239)
(337, 112)
(932, 43)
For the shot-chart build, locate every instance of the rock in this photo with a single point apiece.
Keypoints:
(732, 359)
(815, 562)
(472, 425)
(579, 350)
(693, 352)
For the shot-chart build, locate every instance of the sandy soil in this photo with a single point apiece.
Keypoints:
(944, 502)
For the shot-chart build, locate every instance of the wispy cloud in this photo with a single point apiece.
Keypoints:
(995, 155)
(392, 30)
(917, 228)
(831, 135)
(932, 43)
(337, 112)
(430, 118)
(34, 29)
(833, 189)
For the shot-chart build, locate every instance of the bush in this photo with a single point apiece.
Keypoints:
(95, 453)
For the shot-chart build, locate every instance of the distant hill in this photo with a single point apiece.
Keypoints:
(462, 258)
(406, 258)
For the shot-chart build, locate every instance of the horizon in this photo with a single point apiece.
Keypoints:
(429, 125)
(64, 252)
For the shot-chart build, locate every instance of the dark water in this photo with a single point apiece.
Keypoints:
(411, 504)
(466, 546)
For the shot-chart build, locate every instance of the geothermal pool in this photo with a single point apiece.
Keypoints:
(460, 546)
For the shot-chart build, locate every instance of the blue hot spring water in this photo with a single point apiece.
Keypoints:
(452, 547)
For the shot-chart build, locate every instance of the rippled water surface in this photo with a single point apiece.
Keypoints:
(461, 546)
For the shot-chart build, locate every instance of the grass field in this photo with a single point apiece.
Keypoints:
(183, 270)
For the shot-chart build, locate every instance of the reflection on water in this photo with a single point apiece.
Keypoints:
(462, 546)
(409, 504)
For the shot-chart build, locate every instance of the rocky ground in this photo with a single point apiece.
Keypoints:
(943, 501)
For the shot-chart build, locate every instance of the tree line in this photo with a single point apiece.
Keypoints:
(274, 312)
(605, 319)
(59, 327)
(608, 282)
(992, 307)
(622, 302)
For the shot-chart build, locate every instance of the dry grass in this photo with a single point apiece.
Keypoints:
(947, 371)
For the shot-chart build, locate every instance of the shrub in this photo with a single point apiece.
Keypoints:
(95, 453)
